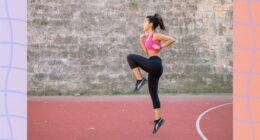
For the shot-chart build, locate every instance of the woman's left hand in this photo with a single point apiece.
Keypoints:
(156, 47)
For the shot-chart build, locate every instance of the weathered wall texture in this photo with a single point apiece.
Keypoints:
(80, 46)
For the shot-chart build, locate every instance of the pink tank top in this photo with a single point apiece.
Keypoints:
(150, 42)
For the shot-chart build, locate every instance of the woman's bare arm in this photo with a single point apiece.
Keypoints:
(167, 40)
(142, 40)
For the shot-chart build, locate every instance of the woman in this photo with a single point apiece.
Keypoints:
(151, 45)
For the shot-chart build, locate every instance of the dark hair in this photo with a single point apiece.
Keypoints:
(156, 20)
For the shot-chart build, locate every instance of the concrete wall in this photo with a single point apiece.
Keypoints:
(80, 46)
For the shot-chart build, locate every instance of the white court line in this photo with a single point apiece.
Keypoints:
(200, 117)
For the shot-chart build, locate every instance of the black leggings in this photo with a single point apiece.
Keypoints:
(153, 66)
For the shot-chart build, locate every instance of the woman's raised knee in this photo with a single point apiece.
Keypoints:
(130, 56)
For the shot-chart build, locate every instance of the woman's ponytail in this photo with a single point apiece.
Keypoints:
(157, 21)
(160, 20)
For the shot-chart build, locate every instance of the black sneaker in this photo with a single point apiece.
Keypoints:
(139, 84)
(158, 124)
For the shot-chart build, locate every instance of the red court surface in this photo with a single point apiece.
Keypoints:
(129, 118)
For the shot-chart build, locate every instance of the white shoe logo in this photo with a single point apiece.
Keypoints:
(139, 85)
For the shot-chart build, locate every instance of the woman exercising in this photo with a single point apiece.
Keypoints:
(151, 45)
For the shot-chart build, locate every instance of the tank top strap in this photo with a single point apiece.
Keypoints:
(151, 36)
